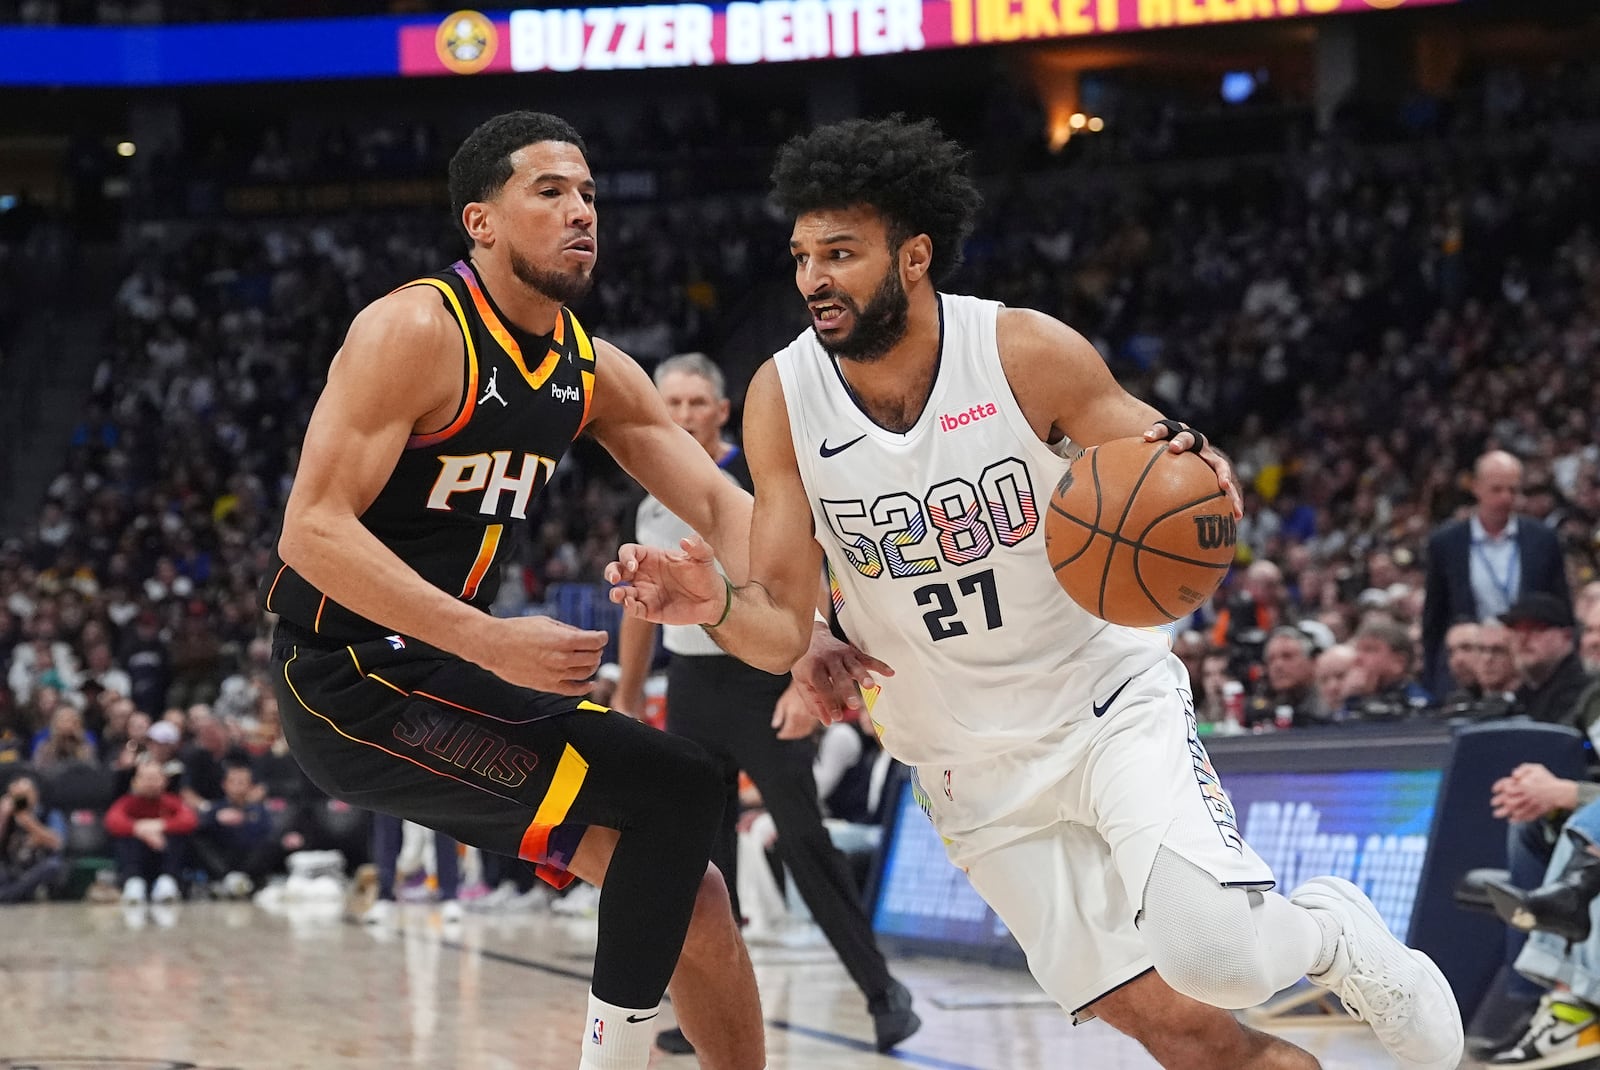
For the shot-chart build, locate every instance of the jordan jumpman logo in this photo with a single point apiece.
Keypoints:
(492, 391)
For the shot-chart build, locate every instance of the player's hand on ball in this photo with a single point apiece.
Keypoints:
(1184, 441)
(543, 653)
(830, 674)
(679, 586)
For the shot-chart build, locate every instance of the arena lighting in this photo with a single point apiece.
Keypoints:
(1078, 120)
(1096, 125)
(126, 148)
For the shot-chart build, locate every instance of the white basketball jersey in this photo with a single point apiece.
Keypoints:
(935, 547)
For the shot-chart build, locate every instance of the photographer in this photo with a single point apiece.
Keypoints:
(30, 850)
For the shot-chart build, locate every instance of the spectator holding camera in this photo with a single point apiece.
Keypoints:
(30, 849)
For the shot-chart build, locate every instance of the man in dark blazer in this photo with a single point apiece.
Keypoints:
(1480, 566)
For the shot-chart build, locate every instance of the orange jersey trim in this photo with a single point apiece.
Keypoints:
(536, 378)
(271, 590)
(485, 558)
(471, 392)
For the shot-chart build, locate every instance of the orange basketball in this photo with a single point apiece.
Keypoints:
(1139, 535)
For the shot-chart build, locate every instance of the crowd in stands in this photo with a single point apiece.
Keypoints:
(1357, 327)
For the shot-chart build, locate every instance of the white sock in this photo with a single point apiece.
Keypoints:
(617, 1038)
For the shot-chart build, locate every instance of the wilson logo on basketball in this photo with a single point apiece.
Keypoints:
(1215, 532)
(951, 421)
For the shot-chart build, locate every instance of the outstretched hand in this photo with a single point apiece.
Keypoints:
(830, 674)
(679, 586)
(1185, 441)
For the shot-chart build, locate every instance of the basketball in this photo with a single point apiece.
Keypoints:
(1139, 535)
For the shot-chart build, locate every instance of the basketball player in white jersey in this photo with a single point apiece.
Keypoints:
(914, 435)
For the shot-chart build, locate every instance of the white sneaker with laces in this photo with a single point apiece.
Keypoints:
(1395, 989)
(135, 890)
(450, 911)
(165, 890)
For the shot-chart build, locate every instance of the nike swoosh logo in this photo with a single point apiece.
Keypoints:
(1556, 1041)
(635, 1019)
(1100, 708)
(829, 451)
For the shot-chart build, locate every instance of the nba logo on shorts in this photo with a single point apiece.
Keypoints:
(597, 1031)
(396, 642)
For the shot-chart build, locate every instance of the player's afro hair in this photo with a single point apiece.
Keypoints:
(482, 165)
(911, 173)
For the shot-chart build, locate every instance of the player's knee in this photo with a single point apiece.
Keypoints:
(1227, 977)
(1206, 958)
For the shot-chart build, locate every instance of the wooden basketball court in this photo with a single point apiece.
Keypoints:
(231, 986)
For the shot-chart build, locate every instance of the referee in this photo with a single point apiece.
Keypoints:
(729, 708)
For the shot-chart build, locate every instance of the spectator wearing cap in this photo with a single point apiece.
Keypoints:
(1550, 674)
(1479, 566)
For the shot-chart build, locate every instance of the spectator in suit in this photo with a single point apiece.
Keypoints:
(1479, 566)
(1546, 654)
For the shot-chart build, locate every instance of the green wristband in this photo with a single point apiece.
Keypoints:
(726, 609)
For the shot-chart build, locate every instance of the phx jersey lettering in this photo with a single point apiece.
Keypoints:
(458, 499)
(936, 556)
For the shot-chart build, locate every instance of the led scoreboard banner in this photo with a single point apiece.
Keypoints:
(779, 31)
(595, 38)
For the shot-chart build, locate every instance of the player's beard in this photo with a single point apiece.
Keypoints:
(563, 287)
(879, 324)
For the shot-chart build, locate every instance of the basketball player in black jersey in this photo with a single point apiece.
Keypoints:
(445, 412)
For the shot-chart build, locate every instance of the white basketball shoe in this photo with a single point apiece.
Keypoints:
(1395, 989)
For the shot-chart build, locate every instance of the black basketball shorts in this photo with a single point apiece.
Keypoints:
(401, 727)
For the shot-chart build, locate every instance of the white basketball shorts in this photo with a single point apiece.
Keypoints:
(1065, 865)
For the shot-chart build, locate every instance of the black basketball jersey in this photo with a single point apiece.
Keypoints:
(457, 502)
